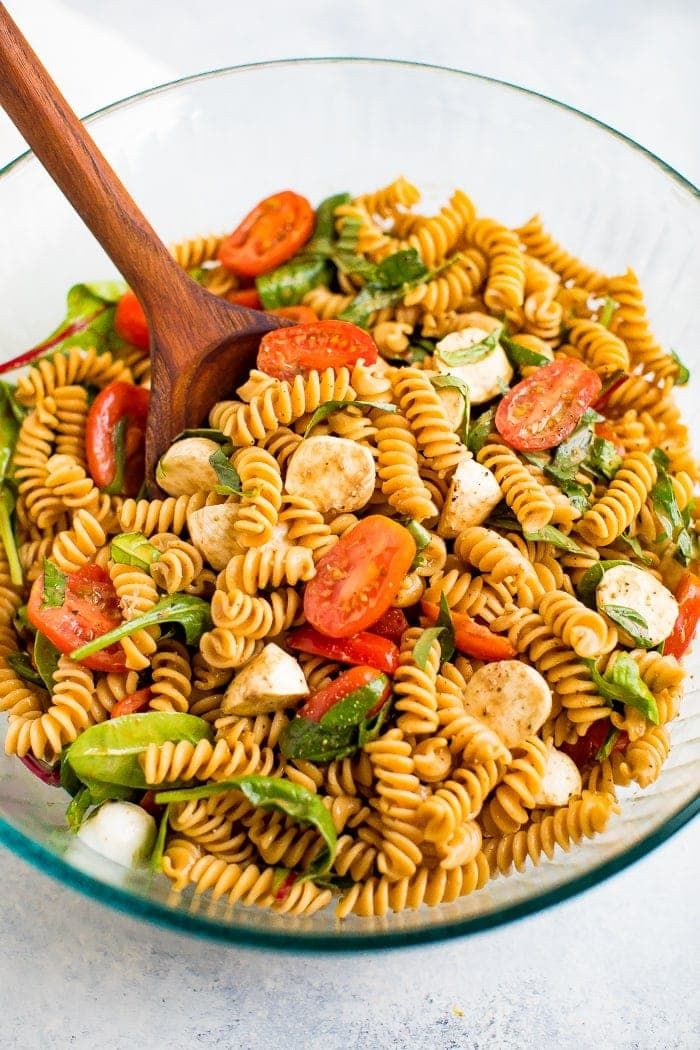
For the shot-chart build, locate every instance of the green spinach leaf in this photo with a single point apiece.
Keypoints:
(191, 613)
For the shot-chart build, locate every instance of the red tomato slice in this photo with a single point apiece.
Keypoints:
(130, 321)
(287, 352)
(583, 752)
(90, 609)
(473, 638)
(245, 297)
(541, 411)
(118, 401)
(688, 598)
(603, 430)
(361, 648)
(132, 703)
(298, 314)
(269, 235)
(322, 701)
(358, 579)
(391, 625)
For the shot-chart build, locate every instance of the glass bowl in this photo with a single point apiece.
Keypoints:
(196, 154)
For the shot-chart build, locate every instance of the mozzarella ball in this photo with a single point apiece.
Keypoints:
(509, 697)
(185, 467)
(485, 377)
(122, 832)
(636, 589)
(336, 474)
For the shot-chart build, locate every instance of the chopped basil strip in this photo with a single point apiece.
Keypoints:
(132, 548)
(635, 546)
(480, 430)
(630, 621)
(277, 793)
(623, 684)
(606, 747)
(421, 650)
(421, 538)
(191, 613)
(551, 534)
(683, 375)
(458, 384)
(54, 593)
(666, 508)
(388, 283)
(470, 355)
(329, 407)
(607, 310)
(603, 459)
(229, 481)
(443, 630)
(520, 356)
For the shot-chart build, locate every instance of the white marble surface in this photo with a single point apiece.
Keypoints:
(618, 966)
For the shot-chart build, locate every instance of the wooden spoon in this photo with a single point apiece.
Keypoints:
(201, 346)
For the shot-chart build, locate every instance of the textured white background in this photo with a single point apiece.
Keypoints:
(617, 967)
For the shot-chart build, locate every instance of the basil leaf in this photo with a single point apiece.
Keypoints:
(666, 508)
(421, 650)
(372, 727)
(277, 793)
(329, 407)
(683, 376)
(603, 459)
(54, 593)
(23, 667)
(457, 384)
(289, 283)
(9, 428)
(629, 620)
(155, 862)
(108, 753)
(46, 657)
(11, 406)
(378, 293)
(623, 684)
(551, 534)
(418, 350)
(89, 319)
(69, 780)
(132, 548)
(229, 478)
(588, 584)
(606, 747)
(191, 613)
(205, 432)
(636, 546)
(608, 309)
(421, 538)
(7, 536)
(403, 267)
(480, 430)
(520, 356)
(353, 708)
(470, 355)
(324, 224)
(578, 494)
(571, 453)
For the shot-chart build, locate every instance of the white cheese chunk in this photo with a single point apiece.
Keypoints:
(509, 697)
(185, 467)
(211, 531)
(472, 495)
(485, 377)
(336, 474)
(271, 681)
(561, 780)
(634, 588)
(122, 832)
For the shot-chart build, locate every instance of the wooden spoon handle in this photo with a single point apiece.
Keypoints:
(62, 144)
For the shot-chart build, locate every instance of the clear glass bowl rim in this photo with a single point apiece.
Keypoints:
(50, 864)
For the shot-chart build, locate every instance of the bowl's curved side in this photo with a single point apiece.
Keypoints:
(178, 150)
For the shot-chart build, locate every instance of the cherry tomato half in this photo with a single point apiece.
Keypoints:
(298, 314)
(358, 579)
(583, 752)
(361, 648)
(269, 235)
(688, 597)
(322, 701)
(287, 352)
(473, 638)
(90, 609)
(245, 297)
(541, 411)
(129, 705)
(115, 438)
(391, 625)
(130, 321)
